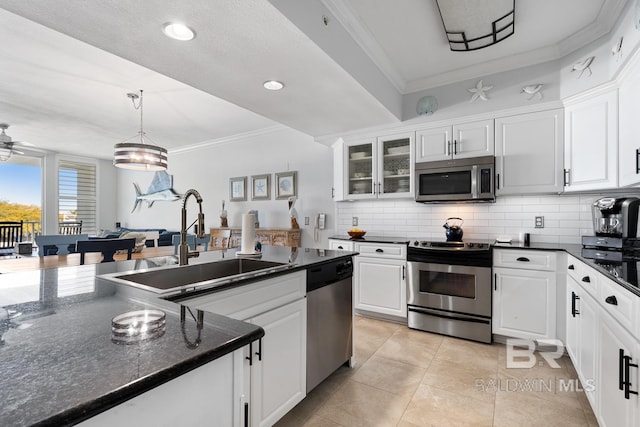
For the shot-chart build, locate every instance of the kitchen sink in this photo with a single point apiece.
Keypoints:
(199, 275)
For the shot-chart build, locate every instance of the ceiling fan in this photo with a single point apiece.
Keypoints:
(7, 144)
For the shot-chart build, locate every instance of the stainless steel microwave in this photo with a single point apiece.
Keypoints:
(457, 180)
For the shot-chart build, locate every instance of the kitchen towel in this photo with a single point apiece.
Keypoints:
(248, 234)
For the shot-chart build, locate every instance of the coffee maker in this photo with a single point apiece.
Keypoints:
(615, 224)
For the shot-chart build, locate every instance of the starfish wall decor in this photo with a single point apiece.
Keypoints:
(479, 91)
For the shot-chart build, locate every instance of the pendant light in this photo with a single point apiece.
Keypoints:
(139, 155)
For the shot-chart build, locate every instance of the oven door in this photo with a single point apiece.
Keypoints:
(456, 288)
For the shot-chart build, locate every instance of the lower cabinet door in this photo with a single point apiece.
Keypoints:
(206, 396)
(524, 303)
(380, 286)
(279, 363)
(618, 351)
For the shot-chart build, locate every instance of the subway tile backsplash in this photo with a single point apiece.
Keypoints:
(566, 218)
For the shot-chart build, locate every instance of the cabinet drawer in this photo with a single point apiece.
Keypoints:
(524, 259)
(618, 302)
(589, 279)
(344, 245)
(574, 268)
(250, 300)
(382, 250)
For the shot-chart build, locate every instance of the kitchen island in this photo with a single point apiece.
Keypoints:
(60, 364)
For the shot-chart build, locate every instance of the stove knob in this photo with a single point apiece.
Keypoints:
(470, 245)
(416, 243)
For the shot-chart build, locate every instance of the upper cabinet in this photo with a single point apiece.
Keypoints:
(377, 168)
(471, 139)
(591, 142)
(529, 153)
(629, 143)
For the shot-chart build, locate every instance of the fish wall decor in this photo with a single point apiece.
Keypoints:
(160, 190)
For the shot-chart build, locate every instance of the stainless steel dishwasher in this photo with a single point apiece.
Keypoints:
(329, 319)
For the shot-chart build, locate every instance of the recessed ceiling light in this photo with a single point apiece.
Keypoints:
(273, 85)
(178, 31)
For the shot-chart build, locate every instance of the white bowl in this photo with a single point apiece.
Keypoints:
(398, 150)
(403, 171)
(387, 173)
(358, 155)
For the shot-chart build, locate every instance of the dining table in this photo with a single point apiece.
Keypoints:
(17, 262)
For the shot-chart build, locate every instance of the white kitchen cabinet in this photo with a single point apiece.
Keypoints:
(524, 293)
(208, 395)
(343, 245)
(379, 167)
(591, 142)
(462, 140)
(629, 126)
(524, 303)
(278, 369)
(582, 336)
(275, 380)
(615, 345)
(380, 279)
(529, 149)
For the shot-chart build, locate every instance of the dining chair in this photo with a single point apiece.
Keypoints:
(220, 239)
(108, 247)
(192, 241)
(152, 236)
(58, 244)
(70, 227)
(10, 236)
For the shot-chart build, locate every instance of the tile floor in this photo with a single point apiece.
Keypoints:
(410, 378)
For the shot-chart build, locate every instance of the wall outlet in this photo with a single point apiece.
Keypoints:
(539, 222)
(354, 221)
(306, 220)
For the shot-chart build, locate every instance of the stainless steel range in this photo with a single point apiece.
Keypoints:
(449, 288)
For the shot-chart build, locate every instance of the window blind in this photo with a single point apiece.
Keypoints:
(77, 194)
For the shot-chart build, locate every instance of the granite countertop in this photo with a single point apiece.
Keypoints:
(58, 361)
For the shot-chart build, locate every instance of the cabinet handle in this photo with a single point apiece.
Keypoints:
(586, 279)
(498, 181)
(624, 366)
(448, 148)
(250, 356)
(379, 250)
(259, 352)
(495, 282)
(403, 272)
(571, 267)
(455, 147)
(637, 160)
(246, 415)
(523, 259)
(566, 177)
(611, 299)
(340, 247)
(574, 298)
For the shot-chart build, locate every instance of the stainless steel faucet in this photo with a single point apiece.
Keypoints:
(184, 248)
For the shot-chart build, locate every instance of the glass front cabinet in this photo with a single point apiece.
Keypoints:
(379, 167)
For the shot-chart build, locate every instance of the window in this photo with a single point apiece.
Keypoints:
(77, 194)
(21, 194)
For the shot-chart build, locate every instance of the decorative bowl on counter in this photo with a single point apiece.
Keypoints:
(356, 234)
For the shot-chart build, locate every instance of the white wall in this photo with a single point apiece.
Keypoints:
(566, 218)
(208, 169)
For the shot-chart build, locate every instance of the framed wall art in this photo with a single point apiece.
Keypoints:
(238, 189)
(261, 187)
(286, 185)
